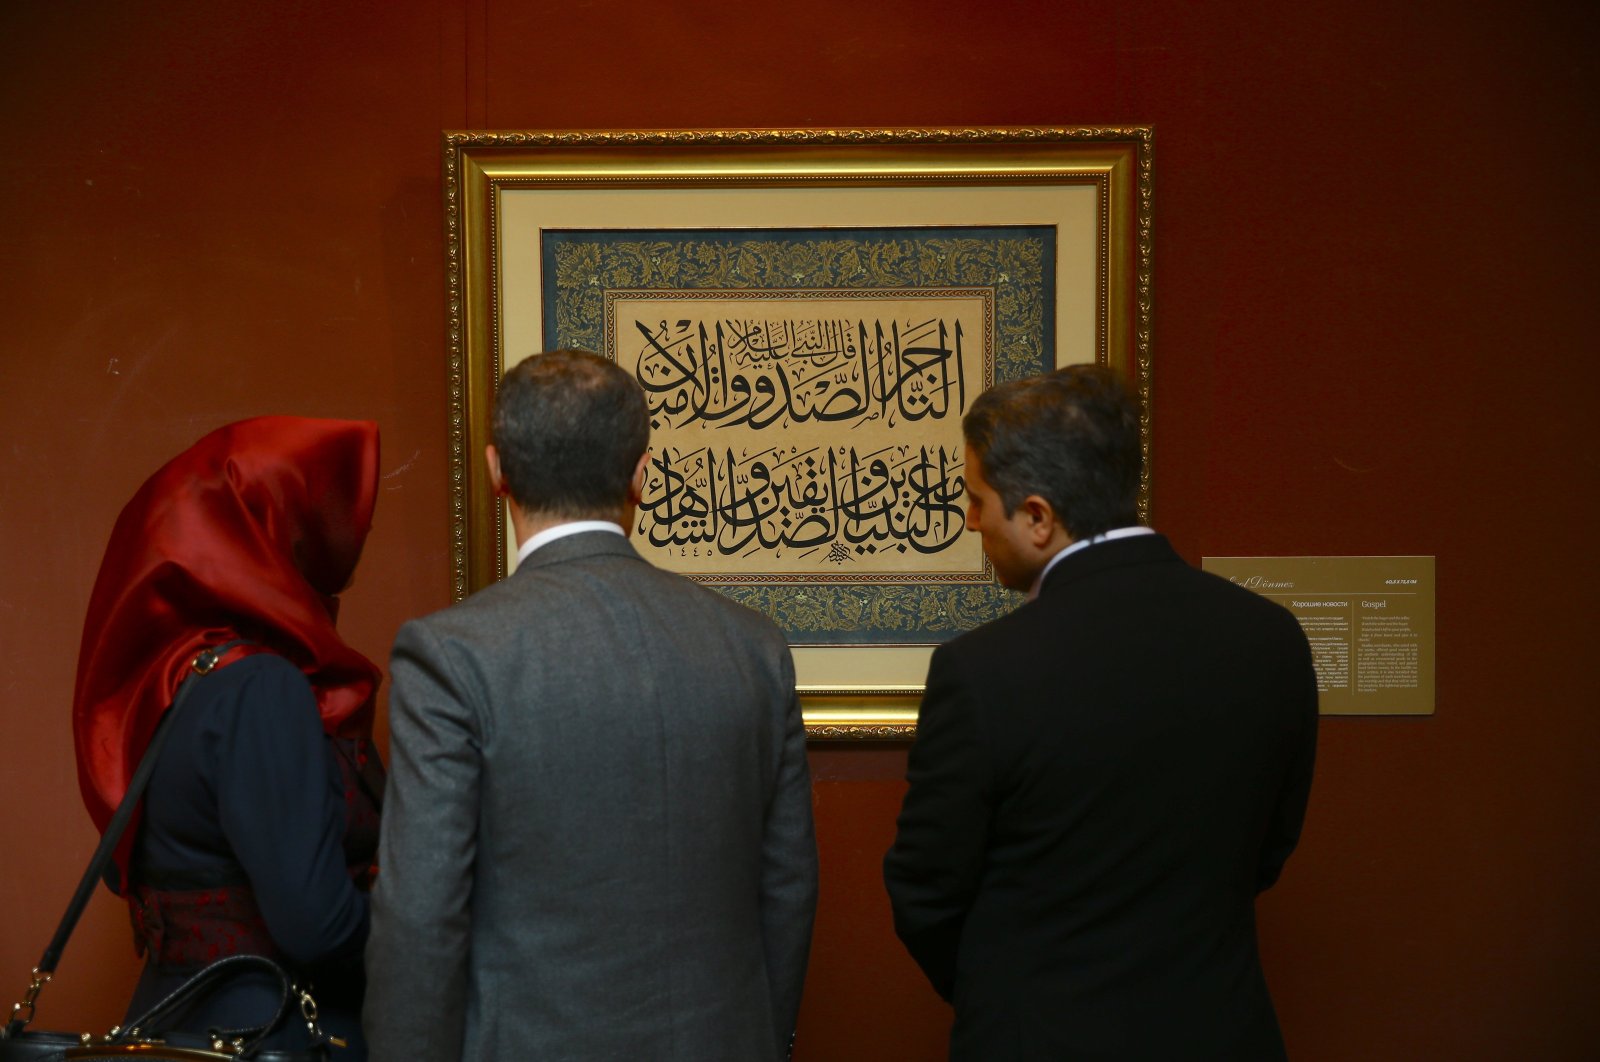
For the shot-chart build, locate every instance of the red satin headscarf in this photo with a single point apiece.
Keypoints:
(250, 533)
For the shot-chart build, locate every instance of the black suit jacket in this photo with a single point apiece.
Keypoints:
(1101, 783)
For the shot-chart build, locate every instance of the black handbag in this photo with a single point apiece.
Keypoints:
(148, 1037)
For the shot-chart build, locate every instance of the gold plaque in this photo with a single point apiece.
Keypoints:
(1369, 621)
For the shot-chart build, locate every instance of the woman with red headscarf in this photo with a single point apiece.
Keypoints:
(259, 825)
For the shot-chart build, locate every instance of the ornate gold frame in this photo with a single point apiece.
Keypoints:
(478, 166)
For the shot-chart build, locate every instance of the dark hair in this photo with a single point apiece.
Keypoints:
(569, 427)
(1070, 436)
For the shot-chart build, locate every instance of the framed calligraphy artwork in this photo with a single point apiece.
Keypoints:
(809, 313)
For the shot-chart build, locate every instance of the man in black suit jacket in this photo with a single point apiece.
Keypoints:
(1104, 779)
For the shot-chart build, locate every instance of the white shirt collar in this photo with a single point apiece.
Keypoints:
(550, 534)
(1085, 543)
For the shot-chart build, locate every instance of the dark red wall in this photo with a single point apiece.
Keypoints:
(1374, 301)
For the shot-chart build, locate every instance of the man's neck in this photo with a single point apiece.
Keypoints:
(525, 524)
(1075, 545)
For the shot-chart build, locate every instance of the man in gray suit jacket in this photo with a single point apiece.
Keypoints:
(597, 840)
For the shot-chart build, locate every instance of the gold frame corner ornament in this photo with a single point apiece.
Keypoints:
(479, 165)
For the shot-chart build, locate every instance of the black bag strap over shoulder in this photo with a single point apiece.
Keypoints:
(22, 1013)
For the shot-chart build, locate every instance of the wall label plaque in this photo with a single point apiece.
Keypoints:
(1369, 621)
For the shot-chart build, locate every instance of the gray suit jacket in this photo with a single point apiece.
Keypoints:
(597, 839)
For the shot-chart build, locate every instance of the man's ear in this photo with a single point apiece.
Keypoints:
(497, 482)
(1041, 524)
(636, 485)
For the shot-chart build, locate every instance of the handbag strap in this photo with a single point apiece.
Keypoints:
(245, 1039)
(203, 664)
